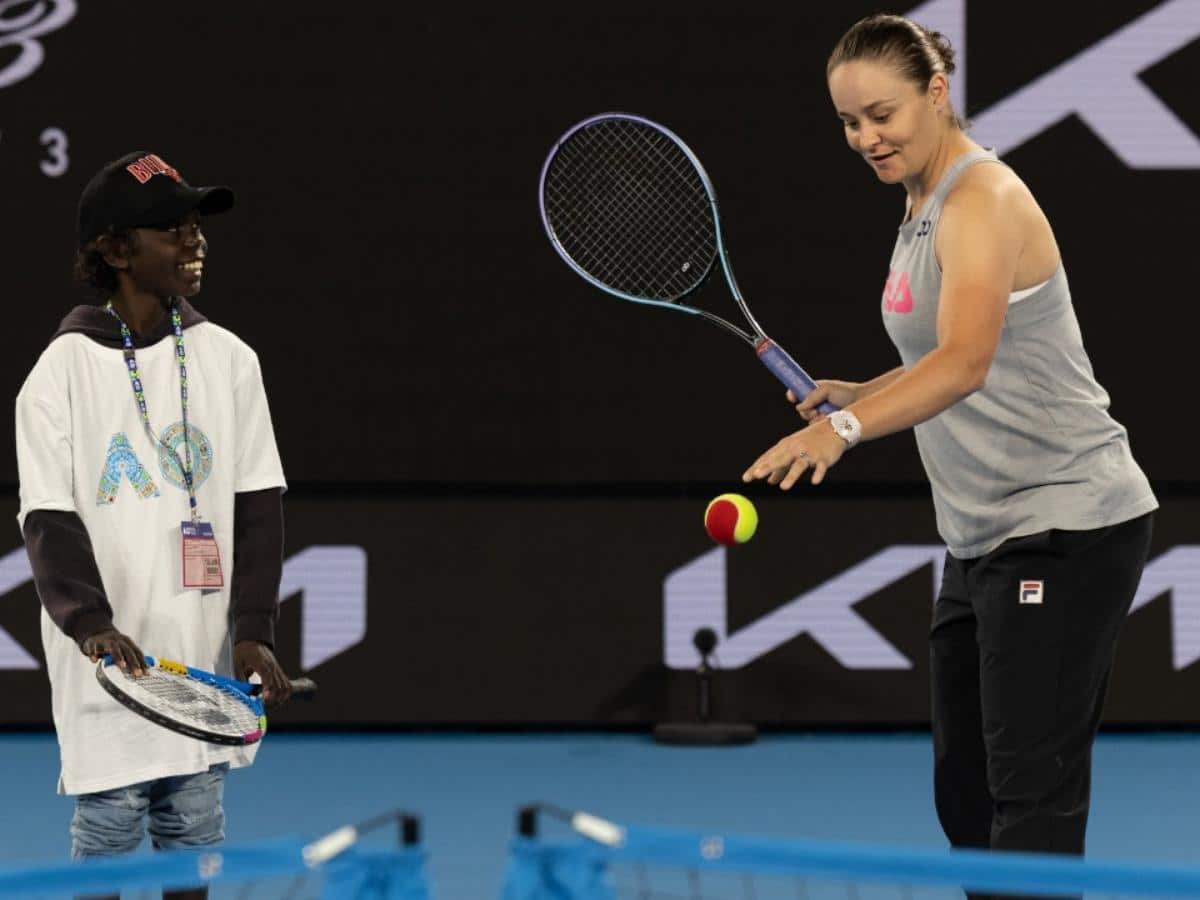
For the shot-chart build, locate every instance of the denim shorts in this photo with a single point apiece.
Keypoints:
(184, 811)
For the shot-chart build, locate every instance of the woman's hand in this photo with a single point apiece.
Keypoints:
(816, 447)
(840, 393)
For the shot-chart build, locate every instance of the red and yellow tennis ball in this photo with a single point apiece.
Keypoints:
(730, 519)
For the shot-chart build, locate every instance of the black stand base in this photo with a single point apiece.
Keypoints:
(705, 734)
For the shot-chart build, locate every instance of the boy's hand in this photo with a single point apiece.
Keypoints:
(250, 657)
(125, 653)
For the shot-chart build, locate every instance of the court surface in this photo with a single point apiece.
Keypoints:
(466, 787)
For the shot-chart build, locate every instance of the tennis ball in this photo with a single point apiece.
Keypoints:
(730, 519)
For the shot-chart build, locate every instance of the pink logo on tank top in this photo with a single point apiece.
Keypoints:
(897, 297)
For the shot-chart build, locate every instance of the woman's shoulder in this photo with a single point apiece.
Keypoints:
(989, 183)
(990, 206)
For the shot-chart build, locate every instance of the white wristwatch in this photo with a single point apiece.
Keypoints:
(846, 426)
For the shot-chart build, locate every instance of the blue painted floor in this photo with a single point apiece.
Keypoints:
(466, 788)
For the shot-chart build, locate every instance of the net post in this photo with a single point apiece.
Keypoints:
(410, 830)
(527, 821)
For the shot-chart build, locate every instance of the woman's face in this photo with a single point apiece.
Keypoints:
(888, 119)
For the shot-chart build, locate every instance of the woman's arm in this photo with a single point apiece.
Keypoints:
(878, 383)
(979, 242)
(840, 393)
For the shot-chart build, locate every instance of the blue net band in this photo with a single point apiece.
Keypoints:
(392, 875)
(534, 863)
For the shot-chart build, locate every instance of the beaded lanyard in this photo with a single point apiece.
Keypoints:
(140, 396)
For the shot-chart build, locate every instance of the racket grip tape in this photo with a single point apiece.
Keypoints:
(302, 688)
(789, 372)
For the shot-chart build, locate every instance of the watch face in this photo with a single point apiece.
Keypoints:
(844, 427)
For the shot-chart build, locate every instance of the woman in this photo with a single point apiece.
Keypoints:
(1045, 514)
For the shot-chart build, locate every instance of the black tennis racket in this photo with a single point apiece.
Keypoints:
(628, 206)
(191, 701)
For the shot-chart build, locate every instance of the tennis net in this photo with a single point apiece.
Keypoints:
(601, 860)
(332, 867)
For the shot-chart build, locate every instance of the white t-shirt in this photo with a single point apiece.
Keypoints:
(82, 447)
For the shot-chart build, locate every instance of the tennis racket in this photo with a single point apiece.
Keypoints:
(628, 206)
(194, 702)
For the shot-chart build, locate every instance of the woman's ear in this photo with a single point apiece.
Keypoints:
(939, 92)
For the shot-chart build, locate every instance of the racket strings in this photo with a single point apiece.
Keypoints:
(629, 207)
(678, 241)
(634, 176)
(190, 702)
(690, 212)
(635, 230)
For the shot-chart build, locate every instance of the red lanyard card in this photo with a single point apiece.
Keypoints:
(201, 557)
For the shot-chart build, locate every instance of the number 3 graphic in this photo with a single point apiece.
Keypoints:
(55, 142)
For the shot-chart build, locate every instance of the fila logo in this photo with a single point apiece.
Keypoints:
(897, 297)
(1031, 591)
(148, 166)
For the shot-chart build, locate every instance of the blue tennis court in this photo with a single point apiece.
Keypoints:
(467, 788)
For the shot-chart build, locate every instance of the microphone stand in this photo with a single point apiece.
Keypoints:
(704, 732)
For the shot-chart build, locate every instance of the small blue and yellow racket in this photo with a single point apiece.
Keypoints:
(200, 704)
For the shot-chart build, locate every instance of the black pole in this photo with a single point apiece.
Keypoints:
(704, 731)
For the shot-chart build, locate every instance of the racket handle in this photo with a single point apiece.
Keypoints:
(789, 372)
(304, 688)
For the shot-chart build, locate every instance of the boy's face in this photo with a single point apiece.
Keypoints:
(166, 260)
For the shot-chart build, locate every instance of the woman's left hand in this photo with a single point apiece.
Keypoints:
(816, 447)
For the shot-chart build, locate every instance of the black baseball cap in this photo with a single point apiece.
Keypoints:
(141, 189)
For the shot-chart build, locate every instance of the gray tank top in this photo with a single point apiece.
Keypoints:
(1035, 448)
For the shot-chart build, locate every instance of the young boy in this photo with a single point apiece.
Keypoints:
(141, 417)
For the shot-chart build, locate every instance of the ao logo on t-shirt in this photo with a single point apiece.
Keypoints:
(121, 463)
